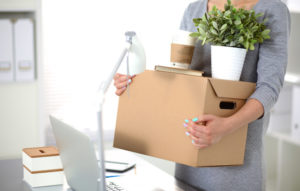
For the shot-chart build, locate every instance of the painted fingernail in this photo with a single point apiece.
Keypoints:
(193, 141)
(129, 81)
(186, 121)
(195, 119)
(187, 133)
(185, 125)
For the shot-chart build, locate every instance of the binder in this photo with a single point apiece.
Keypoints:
(24, 50)
(6, 51)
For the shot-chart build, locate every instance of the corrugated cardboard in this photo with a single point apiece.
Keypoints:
(150, 120)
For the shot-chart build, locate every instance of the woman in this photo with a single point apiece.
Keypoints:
(266, 67)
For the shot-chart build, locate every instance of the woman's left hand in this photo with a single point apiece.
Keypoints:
(206, 130)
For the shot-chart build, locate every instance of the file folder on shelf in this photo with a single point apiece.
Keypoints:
(6, 51)
(24, 50)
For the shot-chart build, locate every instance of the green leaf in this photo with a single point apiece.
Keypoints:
(203, 41)
(213, 31)
(251, 46)
(237, 22)
(200, 37)
(197, 20)
(232, 43)
(253, 41)
(204, 18)
(202, 32)
(227, 13)
(202, 26)
(246, 44)
(225, 41)
(215, 25)
(241, 39)
(232, 31)
(214, 8)
(194, 34)
(258, 15)
(265, 32)
(254, 28)
(224, 27)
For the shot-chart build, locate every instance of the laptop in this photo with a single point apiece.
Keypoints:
(82, 169)
(79, 159)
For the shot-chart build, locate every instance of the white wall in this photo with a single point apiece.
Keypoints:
(19, 103)
(18, 118)
(83, 39)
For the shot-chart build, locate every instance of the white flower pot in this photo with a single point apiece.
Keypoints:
(227, 62)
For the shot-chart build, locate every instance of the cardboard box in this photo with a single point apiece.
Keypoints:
(150, 120)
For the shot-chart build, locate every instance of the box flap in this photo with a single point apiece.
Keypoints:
(232, 89)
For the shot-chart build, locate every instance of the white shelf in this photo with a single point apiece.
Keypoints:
(17, 9)
(18, 5)
(287, 137)
(292, 78)
(282, 153)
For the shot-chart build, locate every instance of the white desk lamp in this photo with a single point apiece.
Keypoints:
(136, 63)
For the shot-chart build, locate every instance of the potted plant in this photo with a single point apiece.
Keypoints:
(231, 33)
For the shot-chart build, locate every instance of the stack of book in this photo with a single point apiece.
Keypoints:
(178, 70)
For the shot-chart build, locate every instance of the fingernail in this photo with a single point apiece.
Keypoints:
(193, 141)
(186, 121)
(185, 125)
(187, 133)
(195, 119)
(129, 80)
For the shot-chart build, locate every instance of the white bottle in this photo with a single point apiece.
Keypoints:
(136, 55)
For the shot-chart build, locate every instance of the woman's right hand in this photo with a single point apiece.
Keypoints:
(120, 82)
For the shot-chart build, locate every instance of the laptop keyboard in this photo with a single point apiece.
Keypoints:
(113, 187)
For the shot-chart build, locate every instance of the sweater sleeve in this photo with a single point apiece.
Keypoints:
(185, 19)
(273, 57)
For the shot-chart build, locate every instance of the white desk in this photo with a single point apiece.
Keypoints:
(145, 174)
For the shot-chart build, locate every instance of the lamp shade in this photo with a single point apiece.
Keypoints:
(137, 58)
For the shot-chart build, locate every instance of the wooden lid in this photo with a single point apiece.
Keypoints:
(41, 151)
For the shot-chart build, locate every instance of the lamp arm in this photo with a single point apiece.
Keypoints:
(101, 97)
(105, 84)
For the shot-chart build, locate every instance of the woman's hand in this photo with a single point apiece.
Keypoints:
(120, 82)
(210, 129)
(206, 130)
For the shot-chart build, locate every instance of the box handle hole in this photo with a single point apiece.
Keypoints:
(227, 105)
(42, 151)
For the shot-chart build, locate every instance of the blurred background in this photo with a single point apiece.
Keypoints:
(76, 43)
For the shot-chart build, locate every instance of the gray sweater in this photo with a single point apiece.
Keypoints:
(266, 66)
